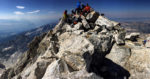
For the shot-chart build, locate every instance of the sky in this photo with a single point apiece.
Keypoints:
(27, 14)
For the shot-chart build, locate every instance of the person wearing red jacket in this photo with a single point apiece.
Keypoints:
(86, 9)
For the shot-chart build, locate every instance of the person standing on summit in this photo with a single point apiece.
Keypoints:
(65, 16)
(78, 4)
(78, 9)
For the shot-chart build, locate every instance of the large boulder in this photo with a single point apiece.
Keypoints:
(120, 38)
(70, 28)
(85, 24)
(104, 31)
(119, 54)
(104, 21)
(73, 49)
(102, 46)
(132, 58)
(116, 61)
(76, 45)
(59, 70)
(92, 16)
(132, 36)
(56, 70)
(97, 29)
(102, 43)
(139, 64)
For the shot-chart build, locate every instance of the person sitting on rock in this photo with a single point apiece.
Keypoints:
(76, 19)
(83, 6)
(73, 13)
(86, 9)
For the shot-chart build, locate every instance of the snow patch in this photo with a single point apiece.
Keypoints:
(7, 48)
(40, 29)
(28, 33)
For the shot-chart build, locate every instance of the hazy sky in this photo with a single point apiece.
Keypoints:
(38, 12)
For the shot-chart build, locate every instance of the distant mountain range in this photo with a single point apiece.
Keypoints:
(142, 19)
(13, 46)
(142, 27)
(15, 26)
(9, 27)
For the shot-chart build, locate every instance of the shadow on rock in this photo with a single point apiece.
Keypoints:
(105, 68)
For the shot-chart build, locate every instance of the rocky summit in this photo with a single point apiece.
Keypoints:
(94, 48)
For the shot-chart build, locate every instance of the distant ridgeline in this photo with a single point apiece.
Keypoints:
(17, 44)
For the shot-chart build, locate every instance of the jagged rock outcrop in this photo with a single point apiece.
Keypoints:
(91, 49)
(12, 47)
(133, 58)
(133, 36)
(2, 68)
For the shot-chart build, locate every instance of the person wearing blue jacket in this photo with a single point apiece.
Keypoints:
(78, 9)
(144, 42)
(79, 4)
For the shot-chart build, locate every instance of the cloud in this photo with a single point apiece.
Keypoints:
(20, 7)
(36, 11)
(30, 17)
(18, 13)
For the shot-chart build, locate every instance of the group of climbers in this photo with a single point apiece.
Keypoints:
(81, 9)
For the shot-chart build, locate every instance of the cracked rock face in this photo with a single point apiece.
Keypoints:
(91, 49)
